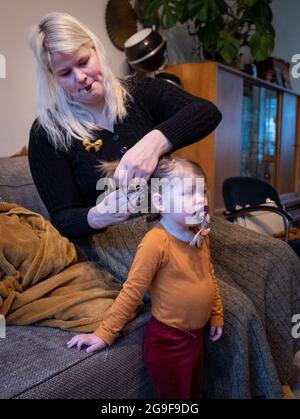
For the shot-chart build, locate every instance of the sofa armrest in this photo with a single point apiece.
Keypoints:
(17, 186)
(268, 272)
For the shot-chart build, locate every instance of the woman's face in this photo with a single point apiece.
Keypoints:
(79, 74)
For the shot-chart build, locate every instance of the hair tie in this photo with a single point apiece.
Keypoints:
(202, 232)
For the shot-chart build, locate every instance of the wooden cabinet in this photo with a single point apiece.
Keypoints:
(258, 135)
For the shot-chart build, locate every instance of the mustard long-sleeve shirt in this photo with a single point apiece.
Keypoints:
(181, 280)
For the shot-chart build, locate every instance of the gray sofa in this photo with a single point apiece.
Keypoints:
(259, 279)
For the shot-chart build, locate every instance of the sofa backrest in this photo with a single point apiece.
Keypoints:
(16, 184)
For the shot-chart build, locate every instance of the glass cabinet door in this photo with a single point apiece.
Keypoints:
(258, 154)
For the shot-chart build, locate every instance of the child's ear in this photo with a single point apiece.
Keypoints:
(157, 202)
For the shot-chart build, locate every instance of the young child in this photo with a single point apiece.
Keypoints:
(173, 263)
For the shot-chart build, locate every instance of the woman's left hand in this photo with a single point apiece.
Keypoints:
(141, 160)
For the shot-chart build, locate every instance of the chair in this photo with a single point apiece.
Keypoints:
(256, 205)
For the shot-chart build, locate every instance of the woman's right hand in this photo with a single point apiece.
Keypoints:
(113, 209)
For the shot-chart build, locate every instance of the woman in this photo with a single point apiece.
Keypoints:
(86, 115)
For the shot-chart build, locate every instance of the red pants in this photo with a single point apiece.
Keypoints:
(175, 359)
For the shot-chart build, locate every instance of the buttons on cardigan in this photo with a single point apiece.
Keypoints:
(116, 137)
(123, 150)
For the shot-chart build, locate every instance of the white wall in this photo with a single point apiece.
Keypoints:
(17, 90)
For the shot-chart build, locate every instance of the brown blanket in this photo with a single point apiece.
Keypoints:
(41, 279)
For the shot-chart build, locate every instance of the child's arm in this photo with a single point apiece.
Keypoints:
(148, 259)
(217, 312)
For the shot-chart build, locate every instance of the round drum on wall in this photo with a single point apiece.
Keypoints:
(120, 20)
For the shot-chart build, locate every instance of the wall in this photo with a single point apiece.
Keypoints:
(17, 90)
(286, 22)
(287, 42)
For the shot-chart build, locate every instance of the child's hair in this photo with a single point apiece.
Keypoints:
(167, 168)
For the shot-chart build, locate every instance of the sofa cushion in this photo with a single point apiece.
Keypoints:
(16, 184)
(36, 363)
(115, 248)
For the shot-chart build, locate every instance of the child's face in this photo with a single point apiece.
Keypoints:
(185, 199)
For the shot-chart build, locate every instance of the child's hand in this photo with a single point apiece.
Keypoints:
(215, 333)
(92, 341)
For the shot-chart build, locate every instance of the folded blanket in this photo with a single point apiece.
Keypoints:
(41, 279)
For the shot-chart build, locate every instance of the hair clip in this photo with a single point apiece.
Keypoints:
(89, 145)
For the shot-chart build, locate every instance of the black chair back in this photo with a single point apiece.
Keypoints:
(245, 190)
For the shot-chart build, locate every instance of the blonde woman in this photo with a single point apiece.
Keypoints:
(86, 114)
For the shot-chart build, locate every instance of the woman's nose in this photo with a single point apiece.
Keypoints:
(80, 75)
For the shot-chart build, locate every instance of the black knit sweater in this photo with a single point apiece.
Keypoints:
(66, 181)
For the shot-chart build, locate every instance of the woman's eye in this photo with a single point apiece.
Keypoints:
(83, 63)
(65, 74)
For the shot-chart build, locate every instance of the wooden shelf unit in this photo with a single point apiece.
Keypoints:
(220, 152)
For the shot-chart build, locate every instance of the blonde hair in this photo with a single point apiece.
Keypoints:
(59, 115)
(168, 167)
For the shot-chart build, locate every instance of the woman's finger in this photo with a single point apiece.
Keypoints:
(120, 174)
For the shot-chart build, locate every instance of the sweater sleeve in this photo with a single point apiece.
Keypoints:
(217, 312)
(182, 117)
(151, 254)
(52, 174)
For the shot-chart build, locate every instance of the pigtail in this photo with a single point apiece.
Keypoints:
(108, 168)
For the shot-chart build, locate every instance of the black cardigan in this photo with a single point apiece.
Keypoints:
(66, 181)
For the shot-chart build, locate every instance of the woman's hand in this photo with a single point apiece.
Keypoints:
(92, 341)
(113, 209)
(215, 333)
(141, 160)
